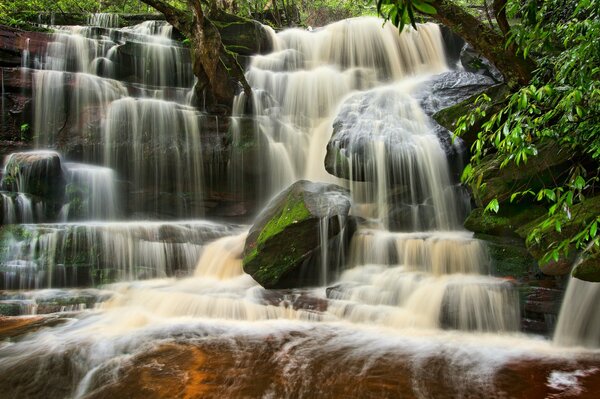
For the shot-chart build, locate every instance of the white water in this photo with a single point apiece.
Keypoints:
(579, 320)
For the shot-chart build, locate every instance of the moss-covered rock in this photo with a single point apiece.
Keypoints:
(582, 213)
(504, 223)
(242, 35)
(550, 166)
(282, 248)
(509, 256)
(38, 173)
(448, 117)
(588, 269)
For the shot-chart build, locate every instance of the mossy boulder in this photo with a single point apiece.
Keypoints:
(37, 173)
(242, 35)
(551, 165)
(447, 117)
(283, 246)
(588, 269)
(582, 214)
(506, 222)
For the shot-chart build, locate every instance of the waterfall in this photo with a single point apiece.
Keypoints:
(411, 309)
(579, 321)
(104, 20)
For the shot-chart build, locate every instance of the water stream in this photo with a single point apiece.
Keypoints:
(415, 291)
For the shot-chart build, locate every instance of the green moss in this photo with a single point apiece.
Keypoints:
(270, 259)
(509, 256)
(505, 223)
(294, 211)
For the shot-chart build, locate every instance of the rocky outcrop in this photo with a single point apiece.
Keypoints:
(283, 248)
(38, 173)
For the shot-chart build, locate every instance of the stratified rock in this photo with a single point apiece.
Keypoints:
(283, 247)
(38, 173)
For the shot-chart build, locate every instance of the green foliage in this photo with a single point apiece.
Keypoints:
(561, 105)
(402, 12)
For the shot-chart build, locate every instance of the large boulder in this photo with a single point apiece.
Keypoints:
(582, 214)
(393, 118)
(380, 125)
(39, 173)
(283, 248)
(588, 269)
(449, 115)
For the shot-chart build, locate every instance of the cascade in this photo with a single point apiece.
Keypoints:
(104, 20)
(579, 322)
(341, 104)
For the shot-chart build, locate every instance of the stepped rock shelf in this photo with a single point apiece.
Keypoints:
(309, 243)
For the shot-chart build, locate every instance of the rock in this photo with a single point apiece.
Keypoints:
(588, 269)
(450, 88)
(38, 173)
(509, 218)
(474, 62)
(388, 116)
(448, 116)
(13, 42)
(13, 327)
(509, 256)
(283, 247)
(379, 123)
(548, 168)
(539, 307)
(241, 35)
(582, 214)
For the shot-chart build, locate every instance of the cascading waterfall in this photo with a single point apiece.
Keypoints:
(98, 187)
(416, 291)
(579, 322)
(92, 253)
(104, 20)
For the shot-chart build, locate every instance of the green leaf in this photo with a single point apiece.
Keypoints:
(424, 7)
(493, 206)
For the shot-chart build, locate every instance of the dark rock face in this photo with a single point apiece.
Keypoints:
(283, 247)
(588, 269)
(38, 173)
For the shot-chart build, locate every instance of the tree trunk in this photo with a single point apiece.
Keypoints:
(485, 40)
(218, 72)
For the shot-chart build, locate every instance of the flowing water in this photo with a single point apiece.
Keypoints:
(415, 311)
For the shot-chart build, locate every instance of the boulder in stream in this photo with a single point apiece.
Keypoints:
(38, 173)
(283, 248)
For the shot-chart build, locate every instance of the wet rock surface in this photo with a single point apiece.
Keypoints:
(255, 367)
(282, 248)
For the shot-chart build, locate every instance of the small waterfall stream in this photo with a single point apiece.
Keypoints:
(415, 302)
